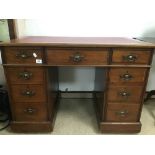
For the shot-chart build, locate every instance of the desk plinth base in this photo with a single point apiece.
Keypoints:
(32, 127)
(118, 127)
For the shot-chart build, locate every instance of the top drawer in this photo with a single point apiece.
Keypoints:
(78, 56)
(23, 55)
(131, 56)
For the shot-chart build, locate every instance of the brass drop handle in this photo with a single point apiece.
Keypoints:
(77, 57)
(124, 94)
(126, 77)
(130, 58)
(23, 55)
(30, 110)
(122, 113)
(28, 93)
(25, 75)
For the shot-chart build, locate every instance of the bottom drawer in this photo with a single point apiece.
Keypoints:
(122, 113)
(30, 112)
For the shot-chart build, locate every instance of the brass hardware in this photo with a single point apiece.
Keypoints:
(25, 75)
(77, 57)
(23, 55)
(28, 93)
(130, 58)
(122, 113)
(124, 94)
(30, 110)
(126, 77)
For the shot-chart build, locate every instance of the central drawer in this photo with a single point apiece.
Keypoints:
(78, 56)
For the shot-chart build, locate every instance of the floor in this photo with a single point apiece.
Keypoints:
(77, 117)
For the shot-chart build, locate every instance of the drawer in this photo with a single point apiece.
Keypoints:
(23, 55)
(30, 112)
(28, 93)
(25, 75)
(80, 56)
(127, 75)
(122, 113)
(125, 93)
(131, 56)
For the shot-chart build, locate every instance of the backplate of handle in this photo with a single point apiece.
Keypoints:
(126, 77)
(28, 93)
(77, 57)
(30, 110)
(23, 55)
(129, 58)
(122, 113)
(124, 94)
(25, 75)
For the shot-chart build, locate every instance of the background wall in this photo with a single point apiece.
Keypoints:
(4, 36)
(92, 18)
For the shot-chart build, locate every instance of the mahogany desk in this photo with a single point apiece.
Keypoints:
(31, 69)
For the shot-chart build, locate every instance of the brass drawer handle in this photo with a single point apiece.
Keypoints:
(124, 94)
(126, 77)
(130, 58)
(30, 110)
(28, 93)
(122, 113)
(23, 55)
(25, 75)
(77, 57)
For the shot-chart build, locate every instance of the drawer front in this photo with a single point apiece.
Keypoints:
(131, 56)
(127, 75)
(25, 75)
(122, 113)
(82, 56)
(125, 93)
(28, 93)
(23, 55)
(30, 112)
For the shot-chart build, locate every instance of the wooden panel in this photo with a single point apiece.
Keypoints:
(120, 127)
(23, 55)
(125, 93)
(28, 93)
(30, 112)
(25, 75)
(78, 42)
(131, 56)
(80, 56)
(127, 75)
(122, 112)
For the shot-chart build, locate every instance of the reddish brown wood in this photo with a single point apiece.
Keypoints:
(142, 56)
(132, 94)
(118, 127)
(30, 112)
(18, 93)
(106, 53)
(31, 127)
(114, 110)
(78, 42)
(138, 75)
(35, 75)
(88, 56)
(13, 55)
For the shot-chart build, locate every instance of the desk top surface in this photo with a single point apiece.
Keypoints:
(78, 42)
